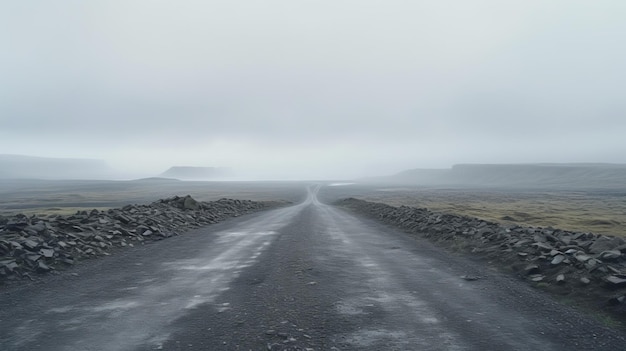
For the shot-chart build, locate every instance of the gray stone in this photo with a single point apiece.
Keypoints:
(532, 269)
(591, 264)
(190, 204)
(11, 266)
(615, 281)
(614, 270)
(557, 259)
(485, 231)
(521, 243)
(42, 267)
(33, 258)
(560, 279)
(605, 243)
(123, 219)
(48, 253)
(610, 255)
(38, 227)
(582, 257)
(15, 245)
(537, 277)
(30, 244)
(543, 245)
(16, 225)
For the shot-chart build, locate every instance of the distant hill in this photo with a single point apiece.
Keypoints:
(542, 175)
(196, 173)
(156, 180)
(30, 167)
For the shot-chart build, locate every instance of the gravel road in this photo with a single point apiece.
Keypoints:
(305, 277)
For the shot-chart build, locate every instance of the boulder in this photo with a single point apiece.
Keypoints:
(605, 243)
(190, 204)
(614, 281)
(557, 259)
(610, 255)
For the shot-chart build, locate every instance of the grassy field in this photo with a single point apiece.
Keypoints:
(585, 211)
(603, 213)
(597, 212)
(67, 197)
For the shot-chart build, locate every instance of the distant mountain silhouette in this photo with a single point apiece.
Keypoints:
(30, 167)
(541, 175)
(156, 180)
(196, 173)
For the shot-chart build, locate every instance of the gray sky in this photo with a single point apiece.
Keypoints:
(314, 88)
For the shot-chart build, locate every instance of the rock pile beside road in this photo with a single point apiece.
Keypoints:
(587, 268)
(45, 243)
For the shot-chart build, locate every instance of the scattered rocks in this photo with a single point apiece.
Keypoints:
(43, 244)
(595, 265)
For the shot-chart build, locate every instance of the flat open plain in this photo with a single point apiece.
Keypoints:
(602, 212)
(310, 276)
(595, 211)
(304, 277)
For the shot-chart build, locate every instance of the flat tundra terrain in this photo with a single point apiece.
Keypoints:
(594, 211)
(306, 276)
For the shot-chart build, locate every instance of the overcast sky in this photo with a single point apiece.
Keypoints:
(314, 89)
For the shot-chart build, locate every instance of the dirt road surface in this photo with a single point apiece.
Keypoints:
(306, 277)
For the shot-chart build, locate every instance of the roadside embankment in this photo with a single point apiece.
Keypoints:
(41, 244)
(589, 270)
